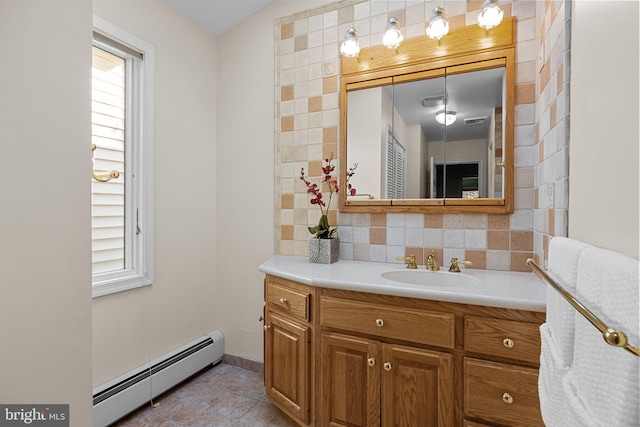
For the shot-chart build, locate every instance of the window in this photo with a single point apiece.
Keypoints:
(122, 119)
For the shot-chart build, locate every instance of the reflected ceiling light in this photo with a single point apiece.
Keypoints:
(350, 46)
(491, 15)
(446, 117)
(392, 37)
(438, 26)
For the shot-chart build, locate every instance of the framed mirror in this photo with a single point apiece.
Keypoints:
(432, 132)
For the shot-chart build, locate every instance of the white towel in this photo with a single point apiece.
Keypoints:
(557, 334)
(563, 268)
(552, 370)
(603, 380)
(574, 413)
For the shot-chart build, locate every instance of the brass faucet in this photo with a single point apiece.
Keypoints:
(432, 263)
(412, 261)
(455, 268)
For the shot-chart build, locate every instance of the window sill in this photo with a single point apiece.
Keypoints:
(101, 289)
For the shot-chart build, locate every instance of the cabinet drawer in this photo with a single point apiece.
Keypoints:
(501, 393)
(419, 326)
(290, 301)
(503, 338)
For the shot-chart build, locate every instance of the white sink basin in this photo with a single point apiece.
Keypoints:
(431, 278)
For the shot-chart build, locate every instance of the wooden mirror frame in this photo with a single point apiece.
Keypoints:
(467, 49)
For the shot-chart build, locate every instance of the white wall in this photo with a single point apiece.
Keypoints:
(367, 140)
(416, 163)
(133, 326)
(245, 171)
(45, 247)
(603, 159)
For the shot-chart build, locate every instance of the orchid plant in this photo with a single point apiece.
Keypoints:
(323, 230)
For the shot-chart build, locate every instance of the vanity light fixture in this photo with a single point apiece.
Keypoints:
(491, 15)
(350, 46)
(446, 117)
(392, 37)
(438, 26)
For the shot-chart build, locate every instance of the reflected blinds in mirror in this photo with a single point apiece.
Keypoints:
(396, 167)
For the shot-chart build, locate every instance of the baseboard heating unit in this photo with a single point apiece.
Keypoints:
(115, 399)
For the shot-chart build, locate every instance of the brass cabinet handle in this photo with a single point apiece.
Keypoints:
(283, 300)
(379, 323)
(507, 398)
(387, 366)
(507, 342)
(267, 327)
(371, 361)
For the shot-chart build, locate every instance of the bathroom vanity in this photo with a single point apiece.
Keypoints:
(345, 346)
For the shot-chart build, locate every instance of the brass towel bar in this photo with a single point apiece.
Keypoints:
(611, 336)
(102, 177)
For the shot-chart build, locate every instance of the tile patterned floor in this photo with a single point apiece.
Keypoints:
(221, 396)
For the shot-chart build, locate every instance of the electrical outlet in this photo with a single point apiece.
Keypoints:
(541, 58)
(550, 197)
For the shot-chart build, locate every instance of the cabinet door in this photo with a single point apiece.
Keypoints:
(417, 387)
(287, 364)
(350, 381)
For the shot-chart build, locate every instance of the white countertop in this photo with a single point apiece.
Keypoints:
(503, 289)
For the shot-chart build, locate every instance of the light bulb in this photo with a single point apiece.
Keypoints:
(392, 37)
(491, 15)
(438, 26)
(350, 46)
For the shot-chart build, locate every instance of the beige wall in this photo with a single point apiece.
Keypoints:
(245, 171)
(604, 188)
(45, 247)
(131, 327)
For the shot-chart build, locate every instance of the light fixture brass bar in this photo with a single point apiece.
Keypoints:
(610, 335)
(101, 177)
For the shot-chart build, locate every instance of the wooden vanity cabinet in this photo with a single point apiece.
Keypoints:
(288, 346)
(389, 361)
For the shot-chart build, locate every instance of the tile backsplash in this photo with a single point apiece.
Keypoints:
(307, 131)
